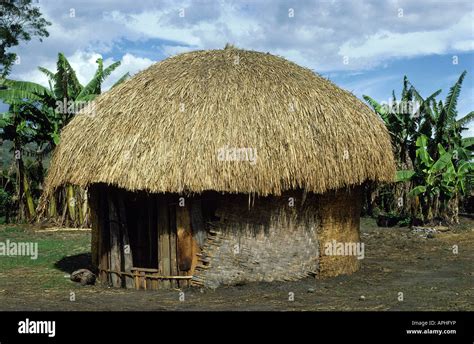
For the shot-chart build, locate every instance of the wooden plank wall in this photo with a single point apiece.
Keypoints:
(142, 239)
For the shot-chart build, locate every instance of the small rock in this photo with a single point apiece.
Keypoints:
(362, 298)
(386, 270)
(430, 235)
(310, 290)
(83, 276)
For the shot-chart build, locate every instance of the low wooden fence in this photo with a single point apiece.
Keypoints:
(146, 279)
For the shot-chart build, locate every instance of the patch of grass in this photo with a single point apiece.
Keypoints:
(46, 271)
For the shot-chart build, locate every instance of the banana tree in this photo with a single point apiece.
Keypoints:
(51, 108)
(438, 183)
(436, 120)
(17, 129)
(46, 110)
(406, 119)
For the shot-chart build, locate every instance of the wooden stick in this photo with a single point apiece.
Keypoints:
(144, 269)
(137, 282)
(65, 230)
(147, 276)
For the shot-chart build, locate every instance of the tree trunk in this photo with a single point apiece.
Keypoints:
(28, 198)
(451, 213)
(71, 203)
(52, 209)
(80, 215)
(20, 187)
(85, 209)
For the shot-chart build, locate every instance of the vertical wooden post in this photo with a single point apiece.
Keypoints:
(143, 278)
(159, 284)
(104, 242)
(173, 246)
(115, 247)
(137, 280)
(185, 240)
(140, 233)
(163, 239)
(152, 238)
(127, 260)
(94, 210)
(150, 228)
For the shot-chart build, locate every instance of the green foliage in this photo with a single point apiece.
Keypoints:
(19, 21)
(44, 112)
(404, 175)
(405, 221)
(52, 248)
(5, 200)
(438, 181)
(433, 158)
(37, 115)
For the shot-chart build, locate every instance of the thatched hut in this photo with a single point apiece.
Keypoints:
(220, 167)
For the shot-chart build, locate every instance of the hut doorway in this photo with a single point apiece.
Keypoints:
(145, 241)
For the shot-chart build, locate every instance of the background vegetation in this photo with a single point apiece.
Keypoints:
(435, 161)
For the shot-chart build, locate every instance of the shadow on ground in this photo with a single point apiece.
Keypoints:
(72, 263)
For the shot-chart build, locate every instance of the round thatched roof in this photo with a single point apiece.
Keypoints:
(228, 120)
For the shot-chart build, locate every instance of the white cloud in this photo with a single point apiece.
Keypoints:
(131, 64)
(170, 50)
(154, 24)
(319, 34)
(370, 32)
(385, 44)
(467, 45)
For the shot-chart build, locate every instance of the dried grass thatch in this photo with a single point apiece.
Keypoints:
(161, 131)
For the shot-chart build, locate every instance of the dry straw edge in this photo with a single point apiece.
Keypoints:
(161, 130)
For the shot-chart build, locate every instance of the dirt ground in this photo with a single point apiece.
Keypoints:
(426, 270)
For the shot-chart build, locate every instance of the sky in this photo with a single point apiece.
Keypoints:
(365, 47)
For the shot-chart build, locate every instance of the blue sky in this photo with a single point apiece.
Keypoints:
(363, 46)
